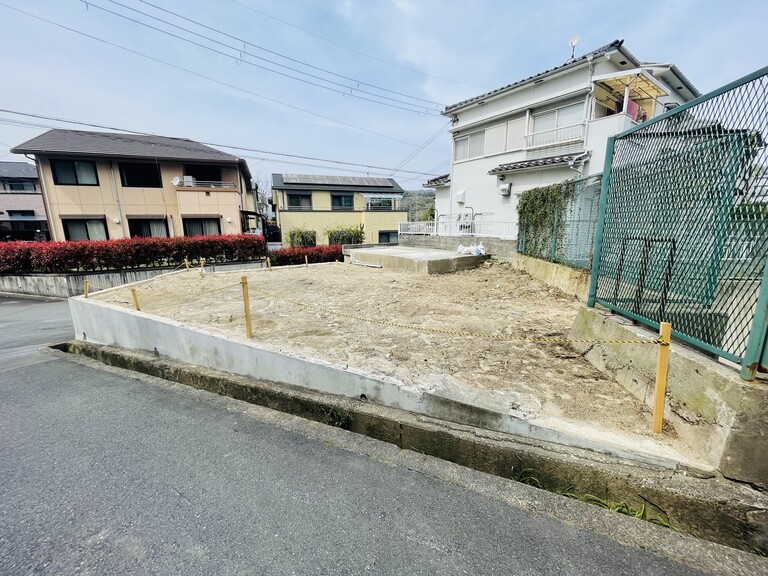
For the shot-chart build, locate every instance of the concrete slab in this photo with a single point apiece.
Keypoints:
(411, 259)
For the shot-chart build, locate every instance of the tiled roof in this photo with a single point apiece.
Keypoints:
(443, 180)
(17, 170)
(539, 163)
(615, 45)
(121, 145)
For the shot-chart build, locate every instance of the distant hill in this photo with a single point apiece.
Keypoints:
(419, 203)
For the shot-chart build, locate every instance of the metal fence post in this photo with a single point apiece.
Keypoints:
(601, 221)
(553, 249)
(758, 332)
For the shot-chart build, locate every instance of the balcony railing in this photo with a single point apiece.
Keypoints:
(451, 227)
(555, 136)
(207, 184)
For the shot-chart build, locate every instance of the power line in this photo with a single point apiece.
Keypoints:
(302, 62)
(209, 78)
(181, 146)
(352, 89)
(420, 148)
(324, 39)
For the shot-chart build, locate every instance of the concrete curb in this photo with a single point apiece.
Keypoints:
(715, 509)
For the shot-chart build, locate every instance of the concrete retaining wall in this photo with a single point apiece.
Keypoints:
(66, 285)
(721, 416)
(105, 324)
(569, 280)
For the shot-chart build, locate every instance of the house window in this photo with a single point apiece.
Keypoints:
(84, 228)
(74, 173)
(201, 226)
(387, 236)
(20, 213)
(22, 186)
(140, 175)
(203, 172)
(342, 202)
(470, 146)
(559, 118)
(300, 201)
(148, 227)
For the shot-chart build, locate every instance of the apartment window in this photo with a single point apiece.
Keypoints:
(387, 236)
(20, 213)
(342, 202)
(21, 186)
(470, 146)
(300, 201)
(84, 228)
(203, 172)
(74, 172)
(148, 227)
(201, 226)
(140, 175)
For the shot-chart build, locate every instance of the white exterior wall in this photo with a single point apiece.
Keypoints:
(481, 190)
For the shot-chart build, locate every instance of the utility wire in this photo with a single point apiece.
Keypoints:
(324, 39)
(302, 62)
(216, 81)
(352, 92)
(181, 146)
(416, 152)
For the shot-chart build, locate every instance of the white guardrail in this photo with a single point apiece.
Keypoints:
(490, 229)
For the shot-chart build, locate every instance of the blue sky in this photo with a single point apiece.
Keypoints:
(425, 53)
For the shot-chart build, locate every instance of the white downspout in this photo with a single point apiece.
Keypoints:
(117, 199)
(589, 104)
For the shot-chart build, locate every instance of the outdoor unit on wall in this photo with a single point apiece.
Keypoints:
(460, 196)
(190, 181)
(505, 189)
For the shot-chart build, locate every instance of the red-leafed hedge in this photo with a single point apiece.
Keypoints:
(24, 257)
(314, 254)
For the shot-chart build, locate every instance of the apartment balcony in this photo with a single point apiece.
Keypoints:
(191, 182)
(555, 137)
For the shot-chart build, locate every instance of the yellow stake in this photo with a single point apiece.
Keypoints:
(247, 306)
(186, 262)
(202, 263)
(306, 261)
(665, 335)
(85, 288)
(135, 299)
(269, 264)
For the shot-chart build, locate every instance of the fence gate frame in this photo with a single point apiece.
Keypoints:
(755, 357)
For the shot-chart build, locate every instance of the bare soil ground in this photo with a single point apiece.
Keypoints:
(543, 381)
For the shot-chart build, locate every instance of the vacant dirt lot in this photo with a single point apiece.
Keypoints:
(544, 381)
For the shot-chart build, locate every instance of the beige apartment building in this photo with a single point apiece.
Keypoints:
(320, 203)
(106, 185)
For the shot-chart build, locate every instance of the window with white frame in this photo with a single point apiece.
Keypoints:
(558, 118)
(469, 146)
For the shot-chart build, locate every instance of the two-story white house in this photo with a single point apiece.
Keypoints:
(546, 129)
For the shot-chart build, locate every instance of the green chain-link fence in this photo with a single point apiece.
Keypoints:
(557, 222)
(683, 229)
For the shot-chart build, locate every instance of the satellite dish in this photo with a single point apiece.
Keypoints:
(175, 180)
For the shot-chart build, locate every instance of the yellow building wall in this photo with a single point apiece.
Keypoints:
(321, 218)
(109, 199)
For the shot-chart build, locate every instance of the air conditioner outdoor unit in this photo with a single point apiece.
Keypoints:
(505, 189)
(190, 181)
(460, 196)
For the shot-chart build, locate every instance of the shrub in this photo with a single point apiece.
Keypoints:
(345, 235)
(23, 257)
(314, 254)
(300, 237)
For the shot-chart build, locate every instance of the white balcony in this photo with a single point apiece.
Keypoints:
(555, 137)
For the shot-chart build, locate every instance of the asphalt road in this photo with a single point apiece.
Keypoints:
(105, 472)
